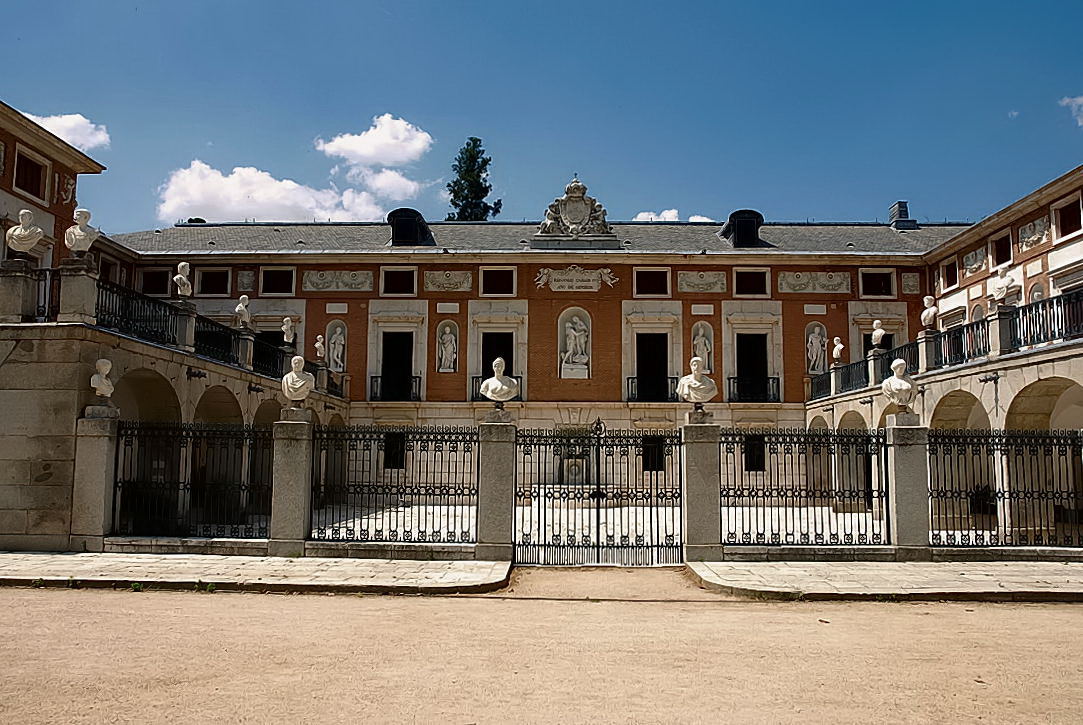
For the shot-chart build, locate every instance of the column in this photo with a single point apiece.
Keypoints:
(496, 492)
(1000, 330)
(873, 360)
(291, 491)
(908, 484)
(927, 342)
(18, 293)
(186, 325)
(95, 473)
(78, 291)
(702, 492)
(836, 378)
(321, 376)
(246, 344)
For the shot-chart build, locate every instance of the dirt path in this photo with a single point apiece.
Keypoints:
(678, 654)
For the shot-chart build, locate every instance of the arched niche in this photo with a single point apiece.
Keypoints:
(146, 395)
(335, 337)
(447, 346)
(703, 344)
(218, 405)
(574, 333)
(977, 313)
(1037, 292)
(816, 348)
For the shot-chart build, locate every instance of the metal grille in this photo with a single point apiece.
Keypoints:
(854, 376)
(379, 390)
(820, 386)
(594, 496)
(803, 487)
(957, 345)
(135, 314)
(193, 479)
(269, 360)
(907, 352)
(635, 395)
(216, 341)
(47, 282)
(753, 390)
(395, 484)
(1006, 488)
(1055, 318)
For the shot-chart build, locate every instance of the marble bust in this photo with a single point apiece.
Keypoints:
(23, 236)
(499, 387)
(696, 387)
(836, 351)
(100, 381)
(321, 347)
(184, 285)
(928, 315)
(899, 388)
(81, 235)
(241, 313)
(297, 384)
(878, 333)
(288, 331)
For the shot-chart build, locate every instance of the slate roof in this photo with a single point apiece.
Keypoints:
(656, 237)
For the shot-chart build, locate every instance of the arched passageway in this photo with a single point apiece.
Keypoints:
(147, 396)
(1045, 404)
(959, 409)
(268, 412)
(218, 405)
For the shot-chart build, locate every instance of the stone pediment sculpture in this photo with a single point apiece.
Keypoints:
(696, 387)
(574, 278)
(499, 388)
(575, 214)
(180, 279)
(899, 388)
(100, 381)
(297, 384)
(23, 236)
(928, 315)
(81, 235)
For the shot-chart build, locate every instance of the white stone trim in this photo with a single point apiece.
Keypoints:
(278, 268)
(646, 316)
(751, 317)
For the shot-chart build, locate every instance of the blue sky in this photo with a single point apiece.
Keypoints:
(824, 110)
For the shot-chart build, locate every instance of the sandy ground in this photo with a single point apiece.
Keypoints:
(558, 646)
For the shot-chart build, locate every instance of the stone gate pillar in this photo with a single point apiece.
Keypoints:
(95, 473)
(496, 492)
(291, 490)
(908, 484)
(702, 492)
(78, 291)
(18, 291)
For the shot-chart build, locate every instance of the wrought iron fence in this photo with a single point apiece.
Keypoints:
(907, 353)
(595, 496)
(334, 384)
(217, 341)
(193, 479)
(636, 392)
(135, 314)
(753, 390)
(820, 386)
(477, 380)
(270, 360)
(803, 487)
(397, 390)
(395, 484)
(1054, 318)
(1005, 488)
(963, 343)
(47, 282)
(854, 376)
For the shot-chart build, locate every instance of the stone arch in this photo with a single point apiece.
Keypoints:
(1039, 405)
(706, 345)
(333, 363)
(853, 475)
(574, 363)
(977, 312)
(819, 365)
(959, 409)
(218, 405)
(852, 420)
(889, 409)
(447, 351)
(336, 421)
(268, 412)
(146, 395)
(1037, 292)
(819, 423)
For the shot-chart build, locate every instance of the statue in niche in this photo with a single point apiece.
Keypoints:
(23, 236)
(100, 381)
(448, 356)
(289, 332)
(575, 359)
(81, 235)
(500, 387)
(899, 388)
(696, 387)
(702, 348)
(1002, 284)
(297, 384)
(836, 351)
(878, 333)
(321, 348)
(928, 315)
(180, 279)
(337, 346)
(242, 318)
(816, 351)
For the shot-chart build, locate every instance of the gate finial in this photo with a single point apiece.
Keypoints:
(597, 427)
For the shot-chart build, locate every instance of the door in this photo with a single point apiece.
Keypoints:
(751, 367)
(396, 366)
(652, 367)
(494, 345)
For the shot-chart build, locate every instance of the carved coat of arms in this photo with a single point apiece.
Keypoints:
(575, 214)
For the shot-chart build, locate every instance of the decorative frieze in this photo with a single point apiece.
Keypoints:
(337, 280)
(911, 283)
(1033, 234)
(246, 281)
(814, 282)
(701, 281)
(974, 261)
(448, 281)
(574, 278)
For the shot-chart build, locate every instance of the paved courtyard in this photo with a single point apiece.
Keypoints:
(591, 645)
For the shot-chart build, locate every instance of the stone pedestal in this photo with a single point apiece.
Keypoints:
(927, 341)
(186, 325)
(702, 494)
(246, 345)
(78, 292)
(1000, 330)
(873, 360)
(18, 292)
(321, 377)
(908, 482)
(93, 485)
(496, 492)
(836, 378)
(291, 493)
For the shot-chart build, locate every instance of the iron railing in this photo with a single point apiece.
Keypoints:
(270, 360)
(1005, 488)
(217, 341)
(854, 376)
(395, 484)
(820, 386)
(47, 283)
(907, 352)
(1054, 318)
(193, 479)
(803, 487)
(963, 343)
(753, 390)
(477, 380)
(595, 496)
(380, 391)
(637, 395)
(334, 384)
(136, 314)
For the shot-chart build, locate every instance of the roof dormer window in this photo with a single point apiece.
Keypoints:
(408, 228)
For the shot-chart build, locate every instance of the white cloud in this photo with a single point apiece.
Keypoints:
(1013, 115)
(389, 141)
(385, 183)
(76, 129)
(667, 215)
(202, 191)
(1075, 105)
(698, 218)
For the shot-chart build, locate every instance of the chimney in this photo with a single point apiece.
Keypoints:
(743, 228)
(900, 216)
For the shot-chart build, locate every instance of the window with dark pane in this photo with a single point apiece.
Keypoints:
(277, 282)
(750, 282)
(1002, 250)
(395, 450)
(652, 282)
(30, 176)
(213, 282)
(654, 453)
(155, 282)
(498, 281)
(399, 282)
(877, 284)
(755, 452)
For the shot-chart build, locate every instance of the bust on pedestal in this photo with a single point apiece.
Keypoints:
(499, 389)
(696, 388)
(22, 237)
(103, 386)
(297, 384)
(900, 390)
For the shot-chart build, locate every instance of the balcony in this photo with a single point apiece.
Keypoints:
(650, 390)
(753, 390)
(475, 387)
(394, 389)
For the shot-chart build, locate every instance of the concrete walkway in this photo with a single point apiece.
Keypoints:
(251, 573)
(1030, 581)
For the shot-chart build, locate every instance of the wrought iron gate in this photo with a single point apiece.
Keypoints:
(595, 496)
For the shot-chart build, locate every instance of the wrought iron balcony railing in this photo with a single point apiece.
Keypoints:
(754, 390)
(394, 389)
(651, 390)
